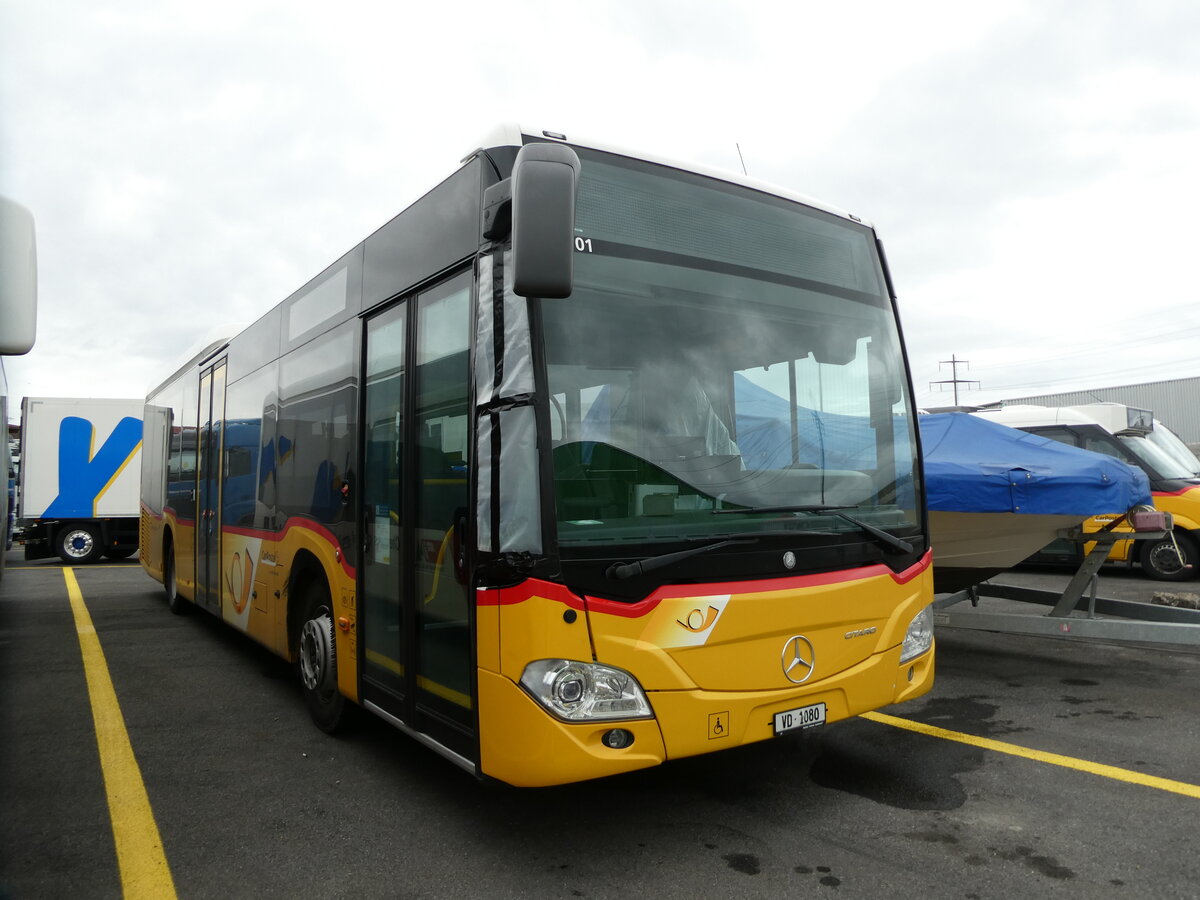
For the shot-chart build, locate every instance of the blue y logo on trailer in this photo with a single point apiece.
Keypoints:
(82, 477)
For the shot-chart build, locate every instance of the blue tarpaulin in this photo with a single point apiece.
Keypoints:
(973, 465)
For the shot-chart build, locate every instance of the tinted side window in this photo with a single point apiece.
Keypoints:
(315, 447)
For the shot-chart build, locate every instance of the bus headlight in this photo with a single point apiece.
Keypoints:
(919, 637)
(580, 691)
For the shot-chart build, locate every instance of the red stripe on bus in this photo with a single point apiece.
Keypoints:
(527, 590)
(1178, 493)
(534, 587)
(306, 524)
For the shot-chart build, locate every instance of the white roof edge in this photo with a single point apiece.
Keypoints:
(510, 134)
(213, 340)
(506, 134)
(83, 399)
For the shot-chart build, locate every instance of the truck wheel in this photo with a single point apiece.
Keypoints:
(1161, 562)
(318, 659)
(78, 543)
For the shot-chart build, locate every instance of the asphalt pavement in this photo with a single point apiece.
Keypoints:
(1036, 767)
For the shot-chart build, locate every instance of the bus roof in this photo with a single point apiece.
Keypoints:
(510, 134)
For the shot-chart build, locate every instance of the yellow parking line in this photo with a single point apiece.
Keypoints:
(140, 856)
(1054, 759)
(53, 568)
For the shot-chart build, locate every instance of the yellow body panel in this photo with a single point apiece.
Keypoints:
(711, 665)
(537, 628)
(686, 717)
(152, 535)
(735, 641)
(254, 582)
(1183, 506)
(523, 745)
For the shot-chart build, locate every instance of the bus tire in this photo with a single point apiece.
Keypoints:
(318, 658)
(1159, 560)
(77, 542)
(175, 601)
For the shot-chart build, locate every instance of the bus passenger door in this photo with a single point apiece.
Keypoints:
(415, 618)
(208, 488)
(444, 649)
(383, 617)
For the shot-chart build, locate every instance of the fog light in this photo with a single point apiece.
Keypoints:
(617, 739)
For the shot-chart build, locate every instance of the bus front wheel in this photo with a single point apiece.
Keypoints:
(318, 660)
(1161, 562)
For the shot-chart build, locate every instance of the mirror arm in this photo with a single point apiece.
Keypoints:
(497, 211)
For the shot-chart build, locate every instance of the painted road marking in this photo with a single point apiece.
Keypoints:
(58, 568)
(140, 856)
(1054, 759)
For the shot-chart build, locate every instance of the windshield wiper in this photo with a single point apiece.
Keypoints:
(878, 533)
(621, 571)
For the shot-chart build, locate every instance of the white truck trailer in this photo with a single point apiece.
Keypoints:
(80, 478)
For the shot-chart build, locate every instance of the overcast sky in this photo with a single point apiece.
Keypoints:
(1031, 167)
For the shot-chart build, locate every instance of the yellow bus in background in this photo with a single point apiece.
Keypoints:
(584, 462)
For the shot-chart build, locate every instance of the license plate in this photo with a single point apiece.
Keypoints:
(802, 717)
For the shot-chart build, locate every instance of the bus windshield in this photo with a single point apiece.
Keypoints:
(723, 350)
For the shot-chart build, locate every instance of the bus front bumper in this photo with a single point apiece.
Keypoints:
(525, 746)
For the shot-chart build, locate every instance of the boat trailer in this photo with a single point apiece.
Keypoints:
(1072, 615)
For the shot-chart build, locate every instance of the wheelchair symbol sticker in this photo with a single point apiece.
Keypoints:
(718, 725)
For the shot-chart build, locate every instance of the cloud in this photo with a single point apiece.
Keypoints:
(1025, 163)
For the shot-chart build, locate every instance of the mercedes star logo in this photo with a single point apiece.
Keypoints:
(798, 659)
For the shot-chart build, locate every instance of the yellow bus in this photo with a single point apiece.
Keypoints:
(583, 462)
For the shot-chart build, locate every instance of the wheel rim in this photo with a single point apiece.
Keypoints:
(316, 653)
(1164, 559)
(79, 544)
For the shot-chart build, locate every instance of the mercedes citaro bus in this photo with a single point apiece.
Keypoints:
(583, 462)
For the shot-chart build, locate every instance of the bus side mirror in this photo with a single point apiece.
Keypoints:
(18, 279)
(543, 220)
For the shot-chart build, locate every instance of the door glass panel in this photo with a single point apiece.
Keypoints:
(203, 486)
(383, 559)
(443, 643)
(208, 525)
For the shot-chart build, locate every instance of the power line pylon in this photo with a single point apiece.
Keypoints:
(954, 362)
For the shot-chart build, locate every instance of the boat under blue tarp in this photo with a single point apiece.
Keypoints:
(998, 495)
(973, 465)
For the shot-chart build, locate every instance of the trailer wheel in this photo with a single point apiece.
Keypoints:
(78, 543)
(318, 658)
(1161, 562)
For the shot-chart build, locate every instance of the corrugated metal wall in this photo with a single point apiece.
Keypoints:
(1175, 403)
